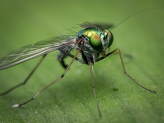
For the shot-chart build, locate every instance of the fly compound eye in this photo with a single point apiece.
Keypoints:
(104, 40)
(105, 36)
(110, 38)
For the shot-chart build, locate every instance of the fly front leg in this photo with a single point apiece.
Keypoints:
(108, 54)
(94, 89)
(117, 51)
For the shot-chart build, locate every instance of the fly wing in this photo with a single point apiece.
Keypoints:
(31, 51)
(97, 25)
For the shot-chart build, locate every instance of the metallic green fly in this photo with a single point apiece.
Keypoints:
(91, 45)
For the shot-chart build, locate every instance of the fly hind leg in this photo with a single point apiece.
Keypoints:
(41, 90)
(26, 79)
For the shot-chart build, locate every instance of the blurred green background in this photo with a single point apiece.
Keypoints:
(24, 22)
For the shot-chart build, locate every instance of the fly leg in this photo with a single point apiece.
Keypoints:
(45, 87)
(76, 58)
(64, 55)
(65, 52)
(117, 51)
(61, 58)
(94, 89)
(90, 60)
(27, 78)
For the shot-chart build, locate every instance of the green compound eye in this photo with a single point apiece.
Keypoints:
(98, 39)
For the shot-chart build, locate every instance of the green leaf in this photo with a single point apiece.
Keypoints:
(140, 38)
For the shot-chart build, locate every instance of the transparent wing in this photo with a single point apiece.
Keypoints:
(30, 51)
(97, 25)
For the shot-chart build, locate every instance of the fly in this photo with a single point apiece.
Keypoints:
(91, 45)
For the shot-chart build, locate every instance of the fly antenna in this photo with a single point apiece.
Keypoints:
(133, 15)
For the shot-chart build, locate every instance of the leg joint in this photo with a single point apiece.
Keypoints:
(62, 75)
